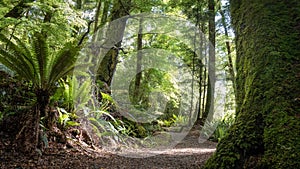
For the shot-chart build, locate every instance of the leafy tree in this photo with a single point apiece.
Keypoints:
(202, 14)
(266, 131)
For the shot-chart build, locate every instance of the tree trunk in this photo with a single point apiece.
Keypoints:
(98, 9)
(43, 99)
(105, 12)
(199, 63)
(138, 77)
(209, 107)
(230, 64)
(27, 139)
(204, 79)
(109, 62)
(266, 133)
(79, 4)
(205, 93)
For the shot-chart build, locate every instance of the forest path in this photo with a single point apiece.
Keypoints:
(189, 154)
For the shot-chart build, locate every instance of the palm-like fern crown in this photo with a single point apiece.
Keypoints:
(35, 62)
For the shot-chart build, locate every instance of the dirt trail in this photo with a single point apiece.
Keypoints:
(189, 154)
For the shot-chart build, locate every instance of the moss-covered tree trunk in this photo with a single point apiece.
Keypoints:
(267, 129)
(109, 62)
(139, 58)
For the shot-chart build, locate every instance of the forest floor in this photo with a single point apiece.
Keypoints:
(189, 154)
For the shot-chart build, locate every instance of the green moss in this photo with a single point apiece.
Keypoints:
(267, 131)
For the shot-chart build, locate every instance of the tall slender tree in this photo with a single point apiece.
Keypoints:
(228, 48)
(108, 64)
(209, 107)
(266, 132)
(139, 57)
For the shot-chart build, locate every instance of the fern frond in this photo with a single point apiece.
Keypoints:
(24, 47)
(4, 59)
(41, 55)
(64, 62)
(27, 56)
(15, 58)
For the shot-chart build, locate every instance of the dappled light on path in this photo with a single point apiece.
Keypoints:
(175, 152)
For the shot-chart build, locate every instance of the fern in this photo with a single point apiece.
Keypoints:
(36, 64)
(15, 58)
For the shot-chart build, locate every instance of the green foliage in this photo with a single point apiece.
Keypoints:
(6, 70)
(104, 127)
(107, 98)
(191, 9)
(38, 45)
(71, 99)
(63, 95)
(219, 127)
(64, 25)
(39, 66)
(35, 63)
(148, 5)
(137, 130)
(172, 109)
(175, 119)
(126, 127)
(155, 81)
(43, 60)
(66, 119)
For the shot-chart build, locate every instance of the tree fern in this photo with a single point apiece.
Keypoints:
(36, 64)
